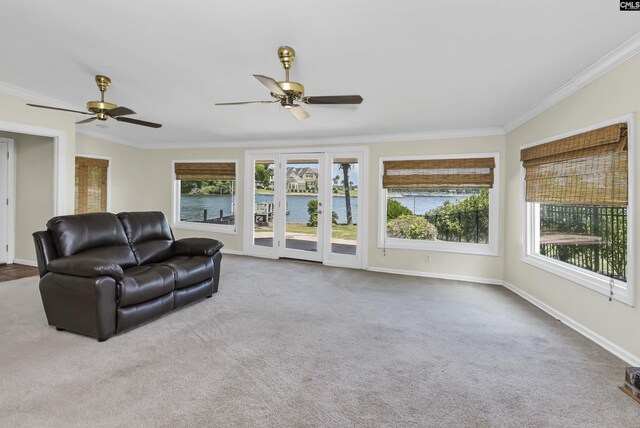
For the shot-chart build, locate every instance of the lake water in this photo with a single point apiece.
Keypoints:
(192, 206)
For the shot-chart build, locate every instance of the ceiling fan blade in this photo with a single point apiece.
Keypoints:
(298, 112)
(137, 122)
(246, 102)
(58, 108)
(270, 83)
(91, 119)
(334, 99)
(120, 111)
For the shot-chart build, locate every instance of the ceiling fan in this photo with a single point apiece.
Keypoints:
(102, 110)
(288, 93)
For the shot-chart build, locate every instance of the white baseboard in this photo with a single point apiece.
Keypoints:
(436, 275)
(589, 334)
(25, 262)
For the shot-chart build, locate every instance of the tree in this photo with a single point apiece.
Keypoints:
(336, 179)
(395, 209)
(465, 221)
(347, 194)
(187, 186)
(263, 174)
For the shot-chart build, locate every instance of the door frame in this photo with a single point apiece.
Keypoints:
(11, 197)
(60, 177)
(280, 232)
(360, 260)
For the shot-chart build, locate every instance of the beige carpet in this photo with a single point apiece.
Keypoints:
(289, 343)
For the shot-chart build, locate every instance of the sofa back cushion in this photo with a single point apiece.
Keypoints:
(149, 235)
(96, 234)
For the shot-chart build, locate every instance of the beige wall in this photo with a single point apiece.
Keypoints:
(130, 189)
(146, 177)
(142, 180)
(442, 263)
(615, 94)
(16, 116)
(34, 189)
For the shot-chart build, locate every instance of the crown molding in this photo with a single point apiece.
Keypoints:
(605, 64)
(324, 141)
(602, 66)
(16, 91)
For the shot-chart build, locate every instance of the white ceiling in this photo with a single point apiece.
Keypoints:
(421, 66)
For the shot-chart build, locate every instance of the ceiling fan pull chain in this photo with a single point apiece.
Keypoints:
(611, 289)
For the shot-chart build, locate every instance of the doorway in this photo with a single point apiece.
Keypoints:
(304, 205)
(4, 200)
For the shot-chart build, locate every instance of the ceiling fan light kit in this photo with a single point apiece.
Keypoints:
(288, 92)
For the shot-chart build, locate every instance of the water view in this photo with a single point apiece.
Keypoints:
(192, 206)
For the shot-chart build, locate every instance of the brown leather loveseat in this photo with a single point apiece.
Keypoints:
(103, 273)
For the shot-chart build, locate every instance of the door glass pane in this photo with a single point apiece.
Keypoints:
(263, 207)
(344, 228)
(301, 178)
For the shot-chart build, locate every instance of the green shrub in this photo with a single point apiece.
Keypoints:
(465, 221)
(395, 209)
(312, 209)
(411, 227)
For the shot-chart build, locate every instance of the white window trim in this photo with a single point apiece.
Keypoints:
(176, 223)
(107, 158)
(623, 292)
(490, 249)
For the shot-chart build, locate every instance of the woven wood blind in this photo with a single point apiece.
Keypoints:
(438, 173)
(91, 185)
(205, 170)
(585, 169)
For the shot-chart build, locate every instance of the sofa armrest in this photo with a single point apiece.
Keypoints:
(196, 247)
(88, 267)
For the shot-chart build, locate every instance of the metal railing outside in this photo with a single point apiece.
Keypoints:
(565, 231)
(462, 226)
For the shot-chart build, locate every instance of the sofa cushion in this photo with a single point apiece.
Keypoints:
(93, 235)
(149, 235)
(190, 270)
(142, 283)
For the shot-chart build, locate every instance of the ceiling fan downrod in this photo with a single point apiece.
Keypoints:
(100, 107)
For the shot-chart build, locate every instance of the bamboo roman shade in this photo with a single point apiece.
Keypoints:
(438, 173)
(205, 170)
(91, 185)
(587, 169)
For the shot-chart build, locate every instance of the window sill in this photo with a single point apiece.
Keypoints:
(206, 227)
(442, 246)
(622, 291)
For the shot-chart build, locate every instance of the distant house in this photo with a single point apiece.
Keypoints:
(301, 179)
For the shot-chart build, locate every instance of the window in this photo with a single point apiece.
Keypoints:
(91, 185)
(444, 203)
(206, 195)
(576, 192)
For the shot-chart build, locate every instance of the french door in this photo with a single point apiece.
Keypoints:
(305, 206)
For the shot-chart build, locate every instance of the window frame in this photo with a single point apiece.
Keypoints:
(489, 249)
(530, 227)
(230, 229)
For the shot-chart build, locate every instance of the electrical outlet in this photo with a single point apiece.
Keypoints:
(427, 259)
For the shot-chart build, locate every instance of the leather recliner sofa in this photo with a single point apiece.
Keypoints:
(101, 273)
